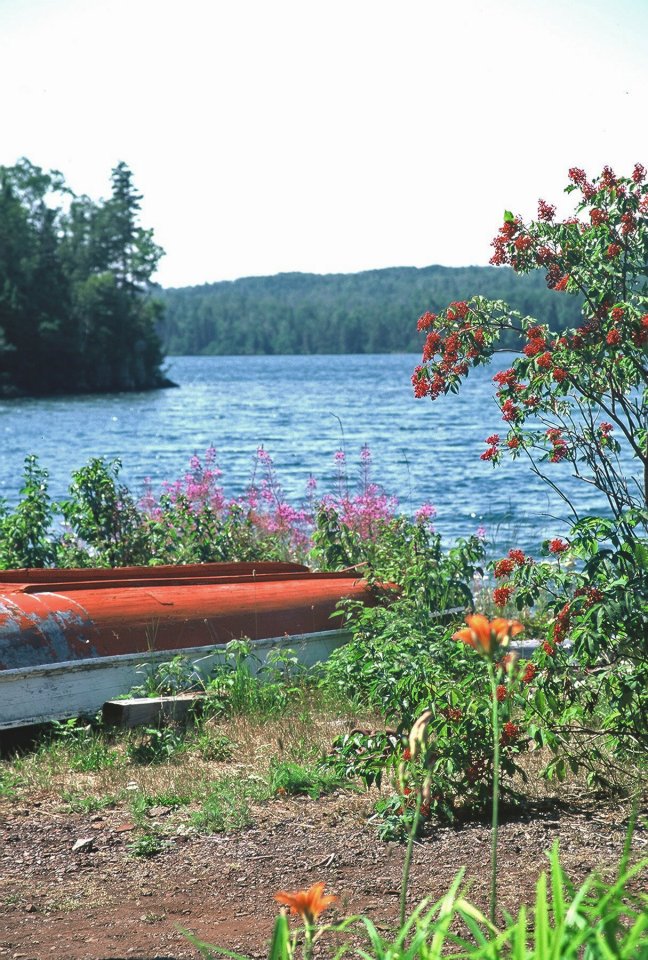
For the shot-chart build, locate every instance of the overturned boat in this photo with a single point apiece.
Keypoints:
(72, 639)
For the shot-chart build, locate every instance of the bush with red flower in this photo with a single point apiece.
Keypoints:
(575, 397)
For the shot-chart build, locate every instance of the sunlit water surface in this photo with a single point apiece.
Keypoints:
(302, 409)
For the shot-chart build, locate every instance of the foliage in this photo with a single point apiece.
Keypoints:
(402, 674)
(81, 803)
(226, 807)
(364, 312)
(169, 678)
(75, 310)
(101, 513)
(100, 523)
(25, 533)
(574, 397)
(289, 778)
(82, 746)
(214, 746)
(244, 684)
(148, 845)
(157, 745)
(597, 920)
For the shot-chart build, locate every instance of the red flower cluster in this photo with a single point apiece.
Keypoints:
(510, 733)
(546, 211)
(559, 445)
(614, 337)
(502, 595)
(544, 360)
(505, 378)
(426, 321)
(562, 283)
(453, 713)
(592, 594)
(628, 224)
(559, 374)
(562, 624)
(639, 173)
(420, 382)
(640, 336)
(613, 250)
(432, 342)
(515, 558)
(476, 770)
(529, 673)
(558, 546)
(513, 443)
(457, 310)
(548, 648)
(501, 692)
(598, 216)
(493, 451)
(535, 345)
(509, 410)
(579, 177)
(490, 454)
(608, 178)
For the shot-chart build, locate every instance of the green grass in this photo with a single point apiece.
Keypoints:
(226, 807)
(288, 777)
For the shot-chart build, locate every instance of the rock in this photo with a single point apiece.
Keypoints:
(83, 846)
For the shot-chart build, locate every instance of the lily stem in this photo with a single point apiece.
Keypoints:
(496, 763)
(407, 866)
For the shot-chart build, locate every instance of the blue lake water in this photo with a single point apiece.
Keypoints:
(301, 409)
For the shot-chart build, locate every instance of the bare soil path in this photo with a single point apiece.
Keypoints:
(65, 905)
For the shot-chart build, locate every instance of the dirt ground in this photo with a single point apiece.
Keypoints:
(65, 905)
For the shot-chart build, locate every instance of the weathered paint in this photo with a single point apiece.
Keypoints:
(60, 690)
(56, 616)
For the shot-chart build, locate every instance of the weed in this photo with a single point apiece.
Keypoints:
(214, 746)
(157, 745)
(287, 777)
(78, 803)
(142, 802)
(82, 747)
(226, 807)
(9, 784)
(148, 845)
(168, 679)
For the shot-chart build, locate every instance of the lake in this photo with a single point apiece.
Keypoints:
(302, 409)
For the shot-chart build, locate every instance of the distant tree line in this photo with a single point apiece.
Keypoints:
(370, 312)
(75, 277)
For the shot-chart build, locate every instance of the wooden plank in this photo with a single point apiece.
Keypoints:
(30, 695)
(139, 711)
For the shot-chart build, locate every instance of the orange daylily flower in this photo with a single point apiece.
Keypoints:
(308, 903)
(487, 636)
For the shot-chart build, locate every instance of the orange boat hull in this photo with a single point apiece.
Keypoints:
(54, 616)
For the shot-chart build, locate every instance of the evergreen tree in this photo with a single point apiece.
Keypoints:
(75, 279)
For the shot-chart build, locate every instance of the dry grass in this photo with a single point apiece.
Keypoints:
(300, 735)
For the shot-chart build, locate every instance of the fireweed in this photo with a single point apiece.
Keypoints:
(192, 519)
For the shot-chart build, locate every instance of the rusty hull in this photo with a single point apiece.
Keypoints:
(54, 616)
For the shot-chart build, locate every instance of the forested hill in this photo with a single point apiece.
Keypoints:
(370, 312)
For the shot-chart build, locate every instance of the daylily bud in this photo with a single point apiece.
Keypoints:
(418, 734)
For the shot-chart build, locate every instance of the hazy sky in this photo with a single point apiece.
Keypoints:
(324, 135)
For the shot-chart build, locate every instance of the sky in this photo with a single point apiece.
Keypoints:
(324, 136)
